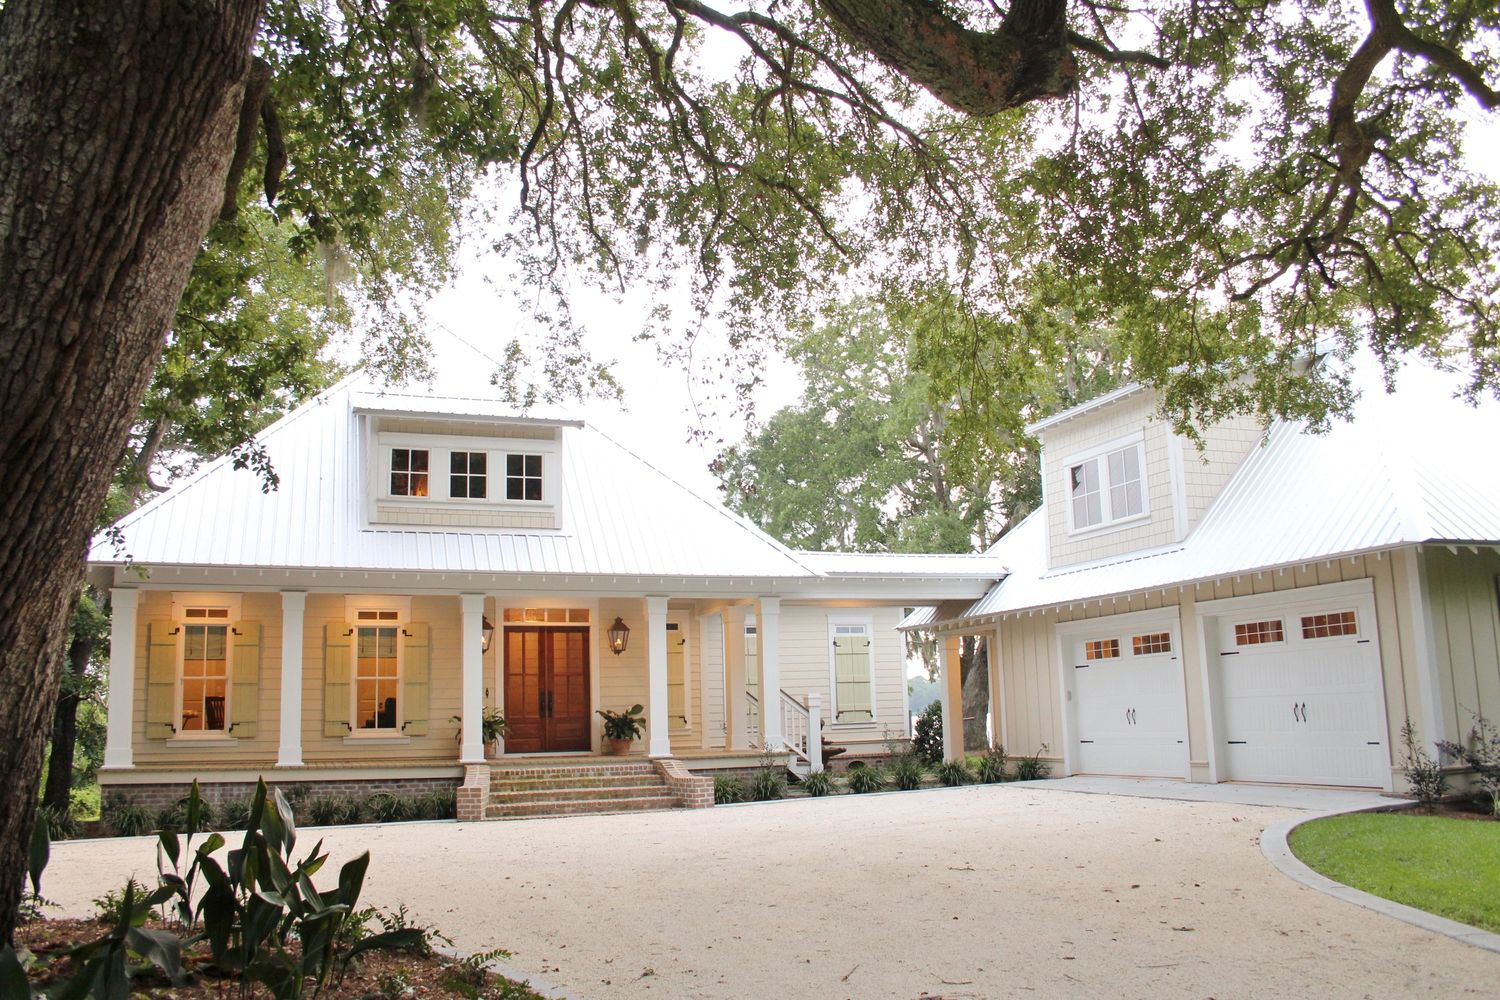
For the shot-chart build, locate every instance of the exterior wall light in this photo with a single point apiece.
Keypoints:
(486, 634)
(619, 636)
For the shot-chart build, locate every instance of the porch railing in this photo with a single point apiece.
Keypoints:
(801, 728)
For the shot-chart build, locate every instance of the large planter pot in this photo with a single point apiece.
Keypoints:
(615, 747)
(492, 750)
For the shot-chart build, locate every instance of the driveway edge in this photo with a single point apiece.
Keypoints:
(1275, 848)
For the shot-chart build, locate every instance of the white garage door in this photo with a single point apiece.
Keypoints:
(1300, 693)
(1128, 702)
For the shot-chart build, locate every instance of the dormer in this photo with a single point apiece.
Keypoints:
(451, 467)
(1116, 480)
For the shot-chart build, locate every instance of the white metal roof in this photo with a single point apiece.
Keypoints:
(980, 566)
(621, 516)
(1412, 467)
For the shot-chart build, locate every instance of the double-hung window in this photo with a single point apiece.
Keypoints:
(377, 672)
(205, 671)
(1107, 487)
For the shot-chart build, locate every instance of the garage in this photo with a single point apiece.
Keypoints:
(1127, 705)
(1299, 688)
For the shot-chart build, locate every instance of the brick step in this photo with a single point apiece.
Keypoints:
(534, 809)
(536, 784)
(578, 794)
(579, 771)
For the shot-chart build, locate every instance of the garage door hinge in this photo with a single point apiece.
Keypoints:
(1229, 652)
(1085, 741)
(1360, 642)
(1372, 743)
(1235, 743)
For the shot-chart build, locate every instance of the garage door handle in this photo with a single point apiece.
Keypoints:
(1296, 712)
(1304, 711)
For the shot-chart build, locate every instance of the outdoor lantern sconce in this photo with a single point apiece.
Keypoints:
(619, 636)
(486, 634)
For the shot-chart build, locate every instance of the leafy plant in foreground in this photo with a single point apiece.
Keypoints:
(992, 765)
(907, 772)
(729, 788)
(768, 783)
(954, 773)
(817, 783)
(1482, 753)
(1033, 768)
(865, 779)
(927, 736)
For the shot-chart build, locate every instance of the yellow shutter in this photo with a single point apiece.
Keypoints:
(161, 680)
(416, 672)
(336, 654)
(244, 706)
(676, 678)
(851, 659)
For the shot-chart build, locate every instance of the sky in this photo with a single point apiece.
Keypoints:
(475, 316)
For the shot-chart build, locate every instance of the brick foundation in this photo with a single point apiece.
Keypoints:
(690, 790)
(217, 794)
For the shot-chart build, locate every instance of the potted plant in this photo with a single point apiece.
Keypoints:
(622, 728)
(492, 727)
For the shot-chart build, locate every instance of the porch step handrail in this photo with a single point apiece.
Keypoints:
(801, 727)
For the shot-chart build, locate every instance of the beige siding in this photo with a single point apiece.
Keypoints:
(1206, 470)
(622, 679)
(1066, 441)
(1466, 633)
(1029, 655)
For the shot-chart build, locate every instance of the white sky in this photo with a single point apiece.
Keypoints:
(658, 411)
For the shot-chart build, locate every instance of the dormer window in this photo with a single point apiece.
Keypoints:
(1107, 487)
(469, 478)
(409, 472)
(523, 477)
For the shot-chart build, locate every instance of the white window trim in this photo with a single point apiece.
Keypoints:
(1098, 453)
(834, 621)
(355, 732)
(225, 735)
(355, 603)
(439, 451)
(184, 599)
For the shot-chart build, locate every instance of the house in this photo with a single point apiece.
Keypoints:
(1272, 607)
(429, 556)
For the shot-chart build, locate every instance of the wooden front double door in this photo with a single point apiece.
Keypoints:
(546, 689)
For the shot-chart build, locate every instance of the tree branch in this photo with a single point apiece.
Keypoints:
(1116, 56)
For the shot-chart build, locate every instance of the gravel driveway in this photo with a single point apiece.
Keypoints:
(985, 891)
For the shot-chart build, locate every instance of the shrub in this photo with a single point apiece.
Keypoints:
(189, 814)
(992, 766)
(818, 783)
(385, 807)
(61, 824)
(927, 739)
(130, 819)
(728, 789)
(1423, 774)
(955, 772)
(346, 809)
(323, 812)
(235, 813)
(1033, 767)
(1482, 753)
(864, 779)
(768, 783)
(907, 772)
(440, 803)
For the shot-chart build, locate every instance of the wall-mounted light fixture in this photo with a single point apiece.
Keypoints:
(486, 634)
(619, 636)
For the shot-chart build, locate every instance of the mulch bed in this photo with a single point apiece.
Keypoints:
(1455, 809)
(403, 975)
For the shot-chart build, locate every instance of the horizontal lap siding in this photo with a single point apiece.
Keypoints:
(806, 666)
(711, 678)
(156, 605)
(622, 679)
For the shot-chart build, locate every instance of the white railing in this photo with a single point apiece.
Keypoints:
(752, 719)
(801, 727)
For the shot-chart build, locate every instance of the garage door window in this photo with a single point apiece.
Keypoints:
(1332, 624)
(1101, 649)
(1259, 633)
(1151, 643)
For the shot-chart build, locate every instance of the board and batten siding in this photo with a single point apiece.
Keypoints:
(1031, 706)
(1466, 632)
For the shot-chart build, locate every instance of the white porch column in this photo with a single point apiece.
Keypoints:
(293, 606)
(472, 751)
(999, 702)
(951, 691)
(735, 737)
(117, 750)
(814, 731)
(768, 636)
(658, 726)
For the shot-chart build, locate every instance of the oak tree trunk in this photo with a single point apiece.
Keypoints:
(117, 122)
(56, 794)
(975, 702)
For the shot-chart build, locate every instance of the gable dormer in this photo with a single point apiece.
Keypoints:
(460, 469)
(1117, 480)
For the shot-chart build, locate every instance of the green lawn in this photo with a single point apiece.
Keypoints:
(1450, 867)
